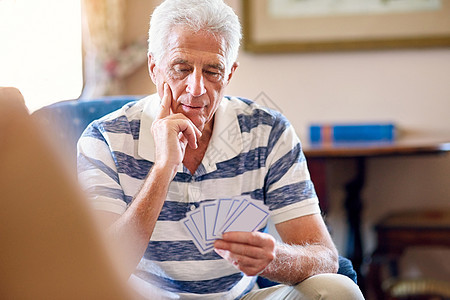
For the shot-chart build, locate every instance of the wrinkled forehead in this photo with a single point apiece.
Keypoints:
(182, 40)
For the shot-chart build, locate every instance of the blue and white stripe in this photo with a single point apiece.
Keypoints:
(253, 151)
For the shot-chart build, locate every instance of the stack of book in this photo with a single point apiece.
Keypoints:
(357, 132)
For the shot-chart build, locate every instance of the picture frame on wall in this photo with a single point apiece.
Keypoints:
(332, 25)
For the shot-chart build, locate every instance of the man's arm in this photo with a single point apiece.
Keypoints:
(130, 232)
(307, 250)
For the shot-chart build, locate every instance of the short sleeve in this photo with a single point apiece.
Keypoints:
(289, 191)
(97, 172)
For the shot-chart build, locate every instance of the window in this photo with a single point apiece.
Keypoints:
(40, 49)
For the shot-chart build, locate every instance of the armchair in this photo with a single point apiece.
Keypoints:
(66, 120)
(71, 118)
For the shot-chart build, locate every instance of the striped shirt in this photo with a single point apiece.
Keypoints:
(253, 151)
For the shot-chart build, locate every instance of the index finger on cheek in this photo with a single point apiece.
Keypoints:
(166, 102)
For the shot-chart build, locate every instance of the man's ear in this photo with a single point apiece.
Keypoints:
(151, 67)
(233, 69)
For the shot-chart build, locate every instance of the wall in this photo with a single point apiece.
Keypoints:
(409, 87)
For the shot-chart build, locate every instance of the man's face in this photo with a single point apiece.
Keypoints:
(194, 66)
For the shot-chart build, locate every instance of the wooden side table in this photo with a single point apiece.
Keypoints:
(319, 154)
(396, 233)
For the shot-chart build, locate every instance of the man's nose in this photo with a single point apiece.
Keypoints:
(195, 84)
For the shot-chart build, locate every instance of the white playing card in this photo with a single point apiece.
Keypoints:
(196, 217)
(223, 207)
(196, 238)
(251, 218)
(208, 222)
(209, 213)
(260, 204)
(235, 204)
(231, 215)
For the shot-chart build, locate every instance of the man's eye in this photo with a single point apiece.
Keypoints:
(213, 75)
(181, 70)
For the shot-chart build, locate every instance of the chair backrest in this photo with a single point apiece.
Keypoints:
(66, 120)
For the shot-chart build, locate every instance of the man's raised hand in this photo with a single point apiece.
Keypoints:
(172, 133)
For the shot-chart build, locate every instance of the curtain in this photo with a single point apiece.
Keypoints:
(107, 60)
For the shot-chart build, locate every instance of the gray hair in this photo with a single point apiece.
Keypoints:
(214, 16)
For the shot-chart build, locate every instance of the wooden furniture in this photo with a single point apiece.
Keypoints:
(319, 154)
(396, 233)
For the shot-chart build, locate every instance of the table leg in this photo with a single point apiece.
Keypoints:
(353, 206)
(318, 171)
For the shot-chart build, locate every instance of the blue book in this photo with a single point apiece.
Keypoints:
(367, 132)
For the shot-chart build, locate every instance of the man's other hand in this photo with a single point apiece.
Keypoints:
(250, 252)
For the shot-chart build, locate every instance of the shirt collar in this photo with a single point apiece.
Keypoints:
(225, 142)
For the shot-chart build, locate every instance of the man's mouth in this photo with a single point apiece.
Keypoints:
(187, 106)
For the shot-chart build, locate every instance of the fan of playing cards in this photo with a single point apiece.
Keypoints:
(211, 219)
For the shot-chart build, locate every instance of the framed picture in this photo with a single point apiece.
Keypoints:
(328, 25)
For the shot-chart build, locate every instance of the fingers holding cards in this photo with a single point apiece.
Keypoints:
(209, 221)
(250, 252)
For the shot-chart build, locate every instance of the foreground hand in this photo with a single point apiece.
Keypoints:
(250, 252)
(172, 134)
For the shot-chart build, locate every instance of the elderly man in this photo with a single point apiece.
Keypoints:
(151, 162)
